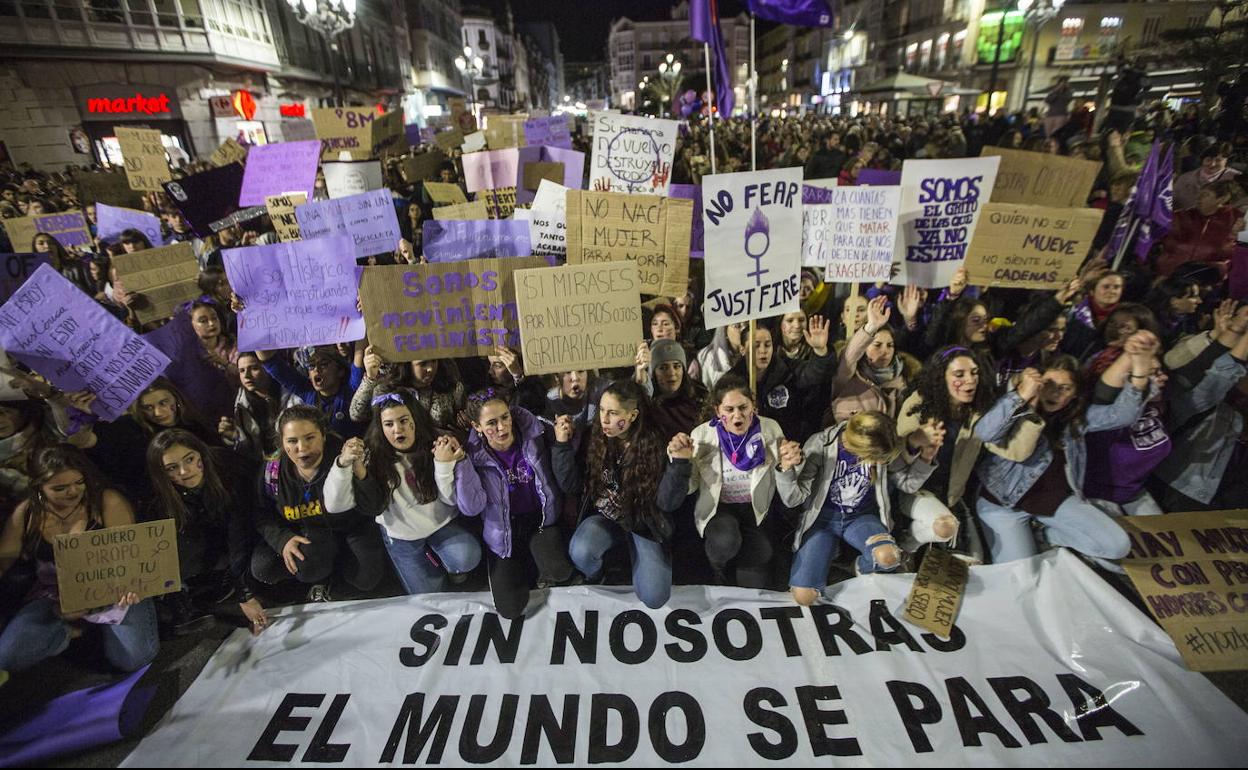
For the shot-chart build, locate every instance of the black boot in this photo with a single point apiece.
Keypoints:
(183, 617)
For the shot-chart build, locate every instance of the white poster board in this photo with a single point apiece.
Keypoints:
(633, 154)
(940, 204)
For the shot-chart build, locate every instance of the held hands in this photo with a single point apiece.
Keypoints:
(790, 455)
(878, 314)
(353, 454)
(928, 439)
(817, 331)
(680, 447)
(446, 449)
(1141, 345)
(1029, 385)
(564, 428)
(291, 551)
(1222, 316)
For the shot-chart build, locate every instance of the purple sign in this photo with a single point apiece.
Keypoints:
(368, 218)
(52, 327)
(296, 294)
(202, 383)
(69, 229)
(412, 133)
(551, 132)
(277, 169)
(874, 177)
(692, 192)
(452, 240)
(111, 221)
(573, 168)
(17, 268)
(812, 195)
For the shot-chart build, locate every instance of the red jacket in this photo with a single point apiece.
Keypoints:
(1195, 237)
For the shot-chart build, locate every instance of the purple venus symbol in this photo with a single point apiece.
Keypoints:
(758, 225)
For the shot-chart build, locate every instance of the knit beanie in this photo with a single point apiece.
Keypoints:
(662, 351)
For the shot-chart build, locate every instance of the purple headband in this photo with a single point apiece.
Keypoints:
(483, 395)
(955, 349)
(387, 398)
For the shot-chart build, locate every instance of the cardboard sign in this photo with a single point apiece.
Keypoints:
(445, 193)
(474, 143)
(651, 231)
(548, 221)
(632, 154)
(51, 326)
(1030, 247)
(449, 140)
(165, 277)
(490, 170)
(346, 133)
(504, 131)
(936, 595)
(109, 187)
(852, 236)
(69, 228)
(474, 210)
(147, 166)
(500, 203)
(344, 179)
(388, 135)
(369, 218)
(450, 240)
(1041, 179)
(940, 206)
(16, 268)
(111, 222)
(93, 569)
(453, 310)
(296, 294)
(534, 173)
(209, 200)
(423, 166)
(573, 169)
(229, 152)
(579, 316)
(277, 169)
(697, 236)
(751, 220)
(551, 131)
(1191, 569)
(461, 118)
(281, 210)
(298, 130)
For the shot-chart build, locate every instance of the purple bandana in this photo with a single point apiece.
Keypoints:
(744, 452)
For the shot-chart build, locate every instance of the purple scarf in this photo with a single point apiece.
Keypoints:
(744, 452)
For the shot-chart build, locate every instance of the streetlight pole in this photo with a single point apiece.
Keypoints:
(330, 18)
(471, 65)
(996, 62)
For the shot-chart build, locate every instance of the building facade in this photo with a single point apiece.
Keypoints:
(435, 29)
(588, 83)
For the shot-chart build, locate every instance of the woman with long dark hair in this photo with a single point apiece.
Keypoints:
(67, 496)
(161, 406)
(67, 262)
(210, 495)
(403, 473)
(617, 483)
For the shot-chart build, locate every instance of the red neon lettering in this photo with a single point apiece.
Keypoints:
(150, 105)
(293, 110)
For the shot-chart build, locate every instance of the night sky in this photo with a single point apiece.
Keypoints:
(583, 24)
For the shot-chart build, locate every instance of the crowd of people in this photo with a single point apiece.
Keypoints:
(849, 436)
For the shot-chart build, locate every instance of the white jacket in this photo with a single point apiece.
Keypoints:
(707, 477)
(403, 518)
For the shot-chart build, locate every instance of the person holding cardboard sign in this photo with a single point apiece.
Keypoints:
(68, 495)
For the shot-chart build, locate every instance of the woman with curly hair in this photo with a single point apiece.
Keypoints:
(403, 473)
(617, 484)
(436, 383)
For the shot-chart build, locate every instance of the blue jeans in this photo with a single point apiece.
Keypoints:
(822, 544)
(37, 632)
(652, 565)
(455, 547)
(1077, 525)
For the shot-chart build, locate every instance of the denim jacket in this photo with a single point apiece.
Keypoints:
(1204, 429)
(1017, 454)
(481, 490)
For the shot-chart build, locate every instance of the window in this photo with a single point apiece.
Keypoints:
(36, 9)
(1196, 20)
(1152, 29)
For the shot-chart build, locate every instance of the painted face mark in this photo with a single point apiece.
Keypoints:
(620, 424)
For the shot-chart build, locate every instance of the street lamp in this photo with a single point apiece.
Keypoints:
(330, 18)
(471, 65)
(1041, 12)
(669, 71)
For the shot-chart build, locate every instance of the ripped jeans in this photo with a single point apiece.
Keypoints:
(821, 544)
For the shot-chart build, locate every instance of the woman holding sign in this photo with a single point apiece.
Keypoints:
(617, 483)
(67, 495)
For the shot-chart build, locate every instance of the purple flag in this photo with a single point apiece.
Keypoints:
(704, 27)
(1155, 223)
(799, 13)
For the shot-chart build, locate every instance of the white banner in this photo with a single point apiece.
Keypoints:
(1047, 666)
(940, 203)
(632, 154)
(753, 256)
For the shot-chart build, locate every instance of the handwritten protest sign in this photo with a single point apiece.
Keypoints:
(503, 131)
(697, 236)
(109, 187)
(461, 117)
(579, 316)
(53, 328)
(111, 222)
(147, 167)
(551, 131)
(548, 221)
(534, 173)
(632, 154)
(93, 569)
(450, 240)
(423, 166)
(474, 210)
(69, 228)
(164, 277)
(651, 231)
(449, 140)
(1042, 180)
(296, 294)
(853, 235)
(937, 591)
(449, 310)
(229, 152)
(445, 193)
(346, 178)
(298, 130)
(750, 274)
(277, 169)
(1191, 569)
(17, 268)
(500, 203)
(369, 218)
(388, 136)
(940, 206)
(1030, 247)
(346, 133)
(573, 163)
(209, 200)
(281, 210)
(490, 170)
